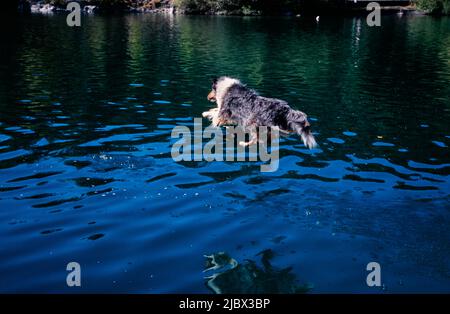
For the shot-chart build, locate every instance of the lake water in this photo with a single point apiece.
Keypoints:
(86, 173)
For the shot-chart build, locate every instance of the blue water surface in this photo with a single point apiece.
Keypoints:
(86, 172)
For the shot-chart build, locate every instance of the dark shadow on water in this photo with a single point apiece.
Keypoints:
(229, 276)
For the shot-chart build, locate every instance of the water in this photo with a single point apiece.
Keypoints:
(86, 173)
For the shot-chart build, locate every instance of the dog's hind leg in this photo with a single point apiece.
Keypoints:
(253, 138)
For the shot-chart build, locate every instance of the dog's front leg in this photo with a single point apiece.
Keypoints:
(210, 114)
(217, 121)
(215, 117)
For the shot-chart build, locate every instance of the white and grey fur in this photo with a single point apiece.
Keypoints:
(238, 104)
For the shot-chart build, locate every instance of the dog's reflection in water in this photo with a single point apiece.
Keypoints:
(247, 277)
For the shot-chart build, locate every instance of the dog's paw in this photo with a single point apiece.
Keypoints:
(251, 142)
(245, 144)
(216, 121)
(210, 114)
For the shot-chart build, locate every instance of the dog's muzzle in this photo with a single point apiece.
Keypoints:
(212, 96)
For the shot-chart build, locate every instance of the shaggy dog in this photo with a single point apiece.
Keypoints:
(237, 104)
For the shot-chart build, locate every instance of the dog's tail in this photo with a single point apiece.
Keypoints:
(298, 123)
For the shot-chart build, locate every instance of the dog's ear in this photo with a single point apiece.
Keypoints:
(214, 81)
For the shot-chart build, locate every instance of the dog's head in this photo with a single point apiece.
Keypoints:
(212, 93)
(220, 87)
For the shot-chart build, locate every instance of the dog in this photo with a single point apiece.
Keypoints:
(240, 105)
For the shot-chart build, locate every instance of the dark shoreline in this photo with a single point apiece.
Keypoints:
(314, 10)
(346, 12)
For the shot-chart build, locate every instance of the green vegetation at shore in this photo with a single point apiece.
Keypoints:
(240, 7)
(434, 6)
(247, 7)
